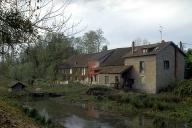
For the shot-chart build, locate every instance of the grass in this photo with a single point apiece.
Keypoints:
(11, 115)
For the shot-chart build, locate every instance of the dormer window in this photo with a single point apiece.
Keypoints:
(145, 50)
(157, 49)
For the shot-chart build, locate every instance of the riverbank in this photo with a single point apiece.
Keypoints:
(14, 115)
(11, 116)
(163, 105)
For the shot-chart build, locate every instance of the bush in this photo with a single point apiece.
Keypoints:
(33, 113)
(159, 123)
(183, 88)
(99, 90)
(154, 102)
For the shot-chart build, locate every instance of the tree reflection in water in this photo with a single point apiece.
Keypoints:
(77, 122)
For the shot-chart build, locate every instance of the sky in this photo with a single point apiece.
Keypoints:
(126, 20)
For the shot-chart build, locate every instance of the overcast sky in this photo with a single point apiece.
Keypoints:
(126, 20)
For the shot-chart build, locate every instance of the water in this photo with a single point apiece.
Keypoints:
(86, 116)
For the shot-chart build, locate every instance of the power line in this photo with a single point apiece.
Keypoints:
(187, 43)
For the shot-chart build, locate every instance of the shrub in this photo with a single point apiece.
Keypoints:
(99, 90)
(33, 113)
(183, 88)
(159, 123)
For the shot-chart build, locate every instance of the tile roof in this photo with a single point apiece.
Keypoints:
(154, 49)
(82, 59)
(113, 69)
(115, 57)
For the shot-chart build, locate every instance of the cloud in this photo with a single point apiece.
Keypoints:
(125, 20)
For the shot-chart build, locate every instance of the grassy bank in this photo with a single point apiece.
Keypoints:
(12, 116)
(11, 113)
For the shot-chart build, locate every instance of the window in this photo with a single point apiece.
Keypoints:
(106, 79)
(70, 71)
(145, 50)
(166, 64)
(116, 79)
(95, 77)
(141, 66)
(142, 79)
(83, 71)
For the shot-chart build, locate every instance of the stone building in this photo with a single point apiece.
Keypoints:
(146, 68)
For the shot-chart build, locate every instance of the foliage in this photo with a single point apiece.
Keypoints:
(99, 91)
(91, 42)
(41, 61)
(188, 62)
(12, 115)
(183, 88)
(145, 101)
(22, 22)
(33, 113)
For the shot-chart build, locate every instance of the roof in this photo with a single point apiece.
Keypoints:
(14, 83)
(113, 69)
(82, 59)
(154, 49)
(115, 57)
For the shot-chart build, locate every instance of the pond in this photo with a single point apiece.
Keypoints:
(86, 116)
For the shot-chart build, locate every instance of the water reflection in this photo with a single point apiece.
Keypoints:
(86, 116)
(77, 122)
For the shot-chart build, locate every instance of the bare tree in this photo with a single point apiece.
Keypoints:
(139, 41)
(22, 21)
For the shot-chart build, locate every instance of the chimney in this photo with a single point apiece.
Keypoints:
(163, 41)
(133, 47)
(181, 45)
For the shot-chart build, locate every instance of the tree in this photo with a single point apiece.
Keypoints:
(139, 41)
(105, 48)
(93, 41)
(22, 21)
(42, 59)
(101, 40)
(188, 61)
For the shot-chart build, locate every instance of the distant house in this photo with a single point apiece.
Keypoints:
(16, 87)
(146, 68)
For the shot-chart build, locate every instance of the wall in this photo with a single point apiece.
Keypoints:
(77, 74)
(176, 70)
(101, 79)
(144, 82)
(180, 66)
